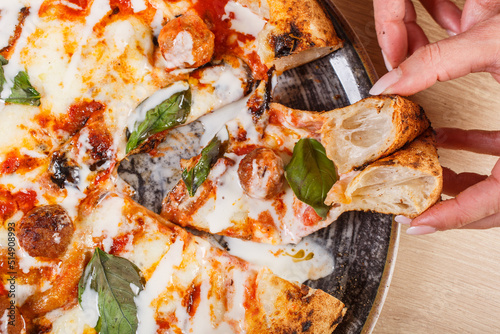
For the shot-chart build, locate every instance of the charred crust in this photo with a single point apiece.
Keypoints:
(306, 325)
(285, 44)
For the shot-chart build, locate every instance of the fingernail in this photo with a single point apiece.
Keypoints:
(389, 79)
(402, 220)
(386, 62)
(420, 230)
(451, 33)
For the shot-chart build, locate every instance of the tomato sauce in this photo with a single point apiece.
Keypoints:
(10, 203)
(17, 162)
(227, 40)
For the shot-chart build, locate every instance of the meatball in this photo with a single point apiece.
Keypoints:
(45, 231)
(186, 42)
(261, 173)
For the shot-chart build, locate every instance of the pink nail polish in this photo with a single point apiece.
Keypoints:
(389, 79)
(386, 62)
(402, 220)
(420, 230)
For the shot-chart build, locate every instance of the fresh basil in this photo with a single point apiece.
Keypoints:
(311, 174)
(23, 92)
(112, 277)
(171, 112)
(3, 61)
(194, 177)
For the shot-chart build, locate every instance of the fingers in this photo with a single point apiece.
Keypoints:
(478, 141)
(454, 183)
(488, 222)
(476, 50)
(478, 202)
(445, 13)
(478, 10)
(415, 35)
(391, 30)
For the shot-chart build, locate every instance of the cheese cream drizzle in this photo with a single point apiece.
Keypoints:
(157, 284)
(97, 11)
(244, 21)
(29, 26)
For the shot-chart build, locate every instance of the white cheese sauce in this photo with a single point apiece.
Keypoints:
(245, 21)
(30, 23)
(300, 262)
(181, 52)
(157, 284)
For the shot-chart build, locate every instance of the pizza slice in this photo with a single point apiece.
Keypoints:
(269, 183)
(123, 268)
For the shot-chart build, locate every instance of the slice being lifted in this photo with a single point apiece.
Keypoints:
(245, 194)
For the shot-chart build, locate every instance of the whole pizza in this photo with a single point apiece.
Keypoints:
(84, 84)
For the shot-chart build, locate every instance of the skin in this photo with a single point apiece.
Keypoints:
(473, 46)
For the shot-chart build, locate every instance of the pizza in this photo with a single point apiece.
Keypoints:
(83, 85)
(292, 172)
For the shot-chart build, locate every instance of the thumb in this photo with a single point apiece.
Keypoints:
(475, 50)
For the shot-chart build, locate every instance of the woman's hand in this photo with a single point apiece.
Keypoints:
(477, 201)
(474, 46)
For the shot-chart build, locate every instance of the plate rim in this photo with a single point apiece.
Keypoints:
(392, 250)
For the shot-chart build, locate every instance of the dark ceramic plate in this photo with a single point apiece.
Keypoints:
(363, 245)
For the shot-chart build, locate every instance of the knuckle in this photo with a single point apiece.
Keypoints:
(432, 58)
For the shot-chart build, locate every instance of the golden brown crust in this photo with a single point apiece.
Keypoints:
(407, 182)
(298, 31)
(290, 308)
(397, 120)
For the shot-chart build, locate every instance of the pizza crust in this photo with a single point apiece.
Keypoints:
(404, 183)
(297, 32)
(370, 129)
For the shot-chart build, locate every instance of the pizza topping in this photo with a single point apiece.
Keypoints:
(242, 19)
(193, 177)
(45, 231)
(117, 282)
(186, 42)
(63, 170)
(23, 92)
(311, 174)
(158, 113)
(261, 173)
(3, 61)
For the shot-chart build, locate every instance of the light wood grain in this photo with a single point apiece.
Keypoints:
(448, 282)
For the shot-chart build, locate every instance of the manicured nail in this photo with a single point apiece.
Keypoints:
(389, 79)
(420, 230)
(402, 220)
(386, 62)
(451, 33)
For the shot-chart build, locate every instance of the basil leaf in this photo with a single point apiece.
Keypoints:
(194, 177)
(3, 61)
(311, 174)
(171, 112)
(23, 92)
(111, 277)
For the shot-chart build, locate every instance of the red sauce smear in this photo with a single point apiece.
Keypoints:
(226, 39)
(24, 200)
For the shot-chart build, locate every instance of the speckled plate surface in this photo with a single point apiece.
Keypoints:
(364, 245)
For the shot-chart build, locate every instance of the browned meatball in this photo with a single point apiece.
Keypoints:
(186, 42)
(261, 173)
(15, 321)
(45, 231)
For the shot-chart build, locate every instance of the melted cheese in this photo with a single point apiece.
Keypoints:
(286, 261)
(9, 11)
(181, 52)
(155, 286)
(244, 21)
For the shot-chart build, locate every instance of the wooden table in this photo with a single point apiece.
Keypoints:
(447, 282)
